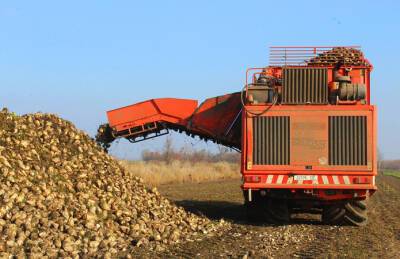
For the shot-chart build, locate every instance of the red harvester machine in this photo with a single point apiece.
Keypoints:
(304, 125)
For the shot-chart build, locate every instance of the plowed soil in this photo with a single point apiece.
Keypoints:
(306, 237)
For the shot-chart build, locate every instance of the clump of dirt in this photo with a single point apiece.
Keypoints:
(104, 136)
(62, 195)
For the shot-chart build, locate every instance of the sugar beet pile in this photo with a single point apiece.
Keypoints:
(62, 195)
(345, 56)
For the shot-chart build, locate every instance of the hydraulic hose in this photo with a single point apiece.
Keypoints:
(274, 100)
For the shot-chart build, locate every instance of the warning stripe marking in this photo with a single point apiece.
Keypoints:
(280, 178)
(335, 179)
(321, 179)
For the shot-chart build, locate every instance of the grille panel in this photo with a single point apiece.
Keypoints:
(347, 140)
(305, 85)
(271, 140)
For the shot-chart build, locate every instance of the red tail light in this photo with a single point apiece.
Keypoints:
(361, 180)
(252, 179)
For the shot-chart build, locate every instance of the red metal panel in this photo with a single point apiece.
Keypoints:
(302, 156)
(219, 117)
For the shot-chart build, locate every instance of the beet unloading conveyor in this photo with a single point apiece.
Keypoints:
(216, 119)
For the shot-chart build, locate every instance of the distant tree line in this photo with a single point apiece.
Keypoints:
(169, 154)
(387, 164)
(390, 164)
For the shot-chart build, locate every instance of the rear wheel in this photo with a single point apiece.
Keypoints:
(268, 210)
(349, 213)
(253, 208)
(276, 211)
(253, 211)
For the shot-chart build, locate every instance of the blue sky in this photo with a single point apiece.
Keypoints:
(80, 58)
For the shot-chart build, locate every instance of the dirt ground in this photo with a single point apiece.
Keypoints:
(306, 237)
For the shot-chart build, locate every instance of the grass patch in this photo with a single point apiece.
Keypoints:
(155, 173)
(392, 173)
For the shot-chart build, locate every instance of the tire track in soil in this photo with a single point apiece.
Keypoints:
(317, 247)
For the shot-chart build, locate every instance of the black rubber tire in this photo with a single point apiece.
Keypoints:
(277, 212)
(352, 213)
(266, 210)
(253, 211)
(253, 208)
(333, 215)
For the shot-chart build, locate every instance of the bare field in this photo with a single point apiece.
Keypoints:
(306, 237)
(155, 173)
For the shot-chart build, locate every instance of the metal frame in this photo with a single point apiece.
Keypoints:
(157, 134)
